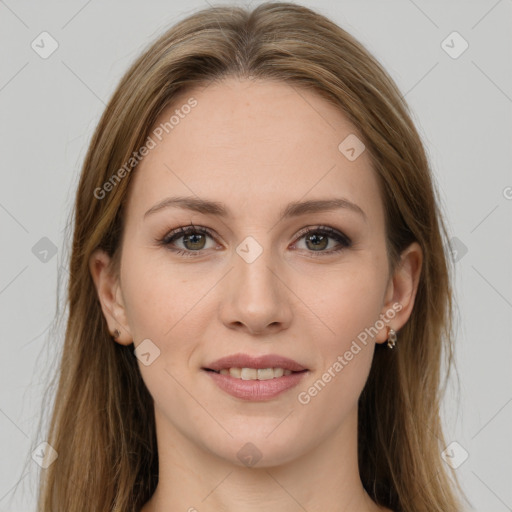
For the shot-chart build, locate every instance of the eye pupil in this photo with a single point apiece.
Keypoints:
(193, 239)
(317, 240)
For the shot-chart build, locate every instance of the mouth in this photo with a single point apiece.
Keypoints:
(255, 378)
(247, 367)
(254, 373)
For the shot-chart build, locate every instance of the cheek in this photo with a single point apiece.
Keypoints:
(349, 308)
(160, 305)
(157, 297)
(164, 307)
(347, 302)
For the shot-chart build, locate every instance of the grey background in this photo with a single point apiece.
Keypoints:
(462, 107)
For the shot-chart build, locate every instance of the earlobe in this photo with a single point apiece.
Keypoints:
(110, 296)
(401, 292)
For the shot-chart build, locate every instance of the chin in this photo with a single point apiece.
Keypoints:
(258, 451)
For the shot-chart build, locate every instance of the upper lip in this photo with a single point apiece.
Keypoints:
(259, 362)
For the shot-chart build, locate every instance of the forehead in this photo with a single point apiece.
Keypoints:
(254, 145)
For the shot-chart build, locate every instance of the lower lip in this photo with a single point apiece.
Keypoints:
(256, 390)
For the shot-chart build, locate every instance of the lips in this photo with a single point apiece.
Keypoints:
(255, 378)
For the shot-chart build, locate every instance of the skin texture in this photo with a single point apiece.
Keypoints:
(255, 146)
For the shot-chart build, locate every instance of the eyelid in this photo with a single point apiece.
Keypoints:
(185, 230)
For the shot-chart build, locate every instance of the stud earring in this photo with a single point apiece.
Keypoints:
(391, 337)
(116, 334)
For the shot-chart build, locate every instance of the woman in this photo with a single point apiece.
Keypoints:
(259, 298)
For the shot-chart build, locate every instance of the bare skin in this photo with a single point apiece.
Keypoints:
(256, 146)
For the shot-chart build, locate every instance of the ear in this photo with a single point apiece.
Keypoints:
(401, 290)
(110, 295)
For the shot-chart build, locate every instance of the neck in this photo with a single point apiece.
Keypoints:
(194, 479)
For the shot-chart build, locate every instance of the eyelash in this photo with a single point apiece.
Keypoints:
(170, 237)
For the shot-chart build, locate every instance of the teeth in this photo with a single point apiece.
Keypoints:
(249, 373)
(265, 373)
(235, 372)
(255, 374)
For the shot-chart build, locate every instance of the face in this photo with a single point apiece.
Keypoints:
(246, 279)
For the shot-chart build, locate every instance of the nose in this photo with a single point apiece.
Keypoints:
(256, 298)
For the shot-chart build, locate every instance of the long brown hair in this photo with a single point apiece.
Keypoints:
(102, 424)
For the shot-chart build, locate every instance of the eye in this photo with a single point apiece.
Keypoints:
(193, 240)
(317, 239)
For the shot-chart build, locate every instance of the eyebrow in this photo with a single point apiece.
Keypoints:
(293, 209)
